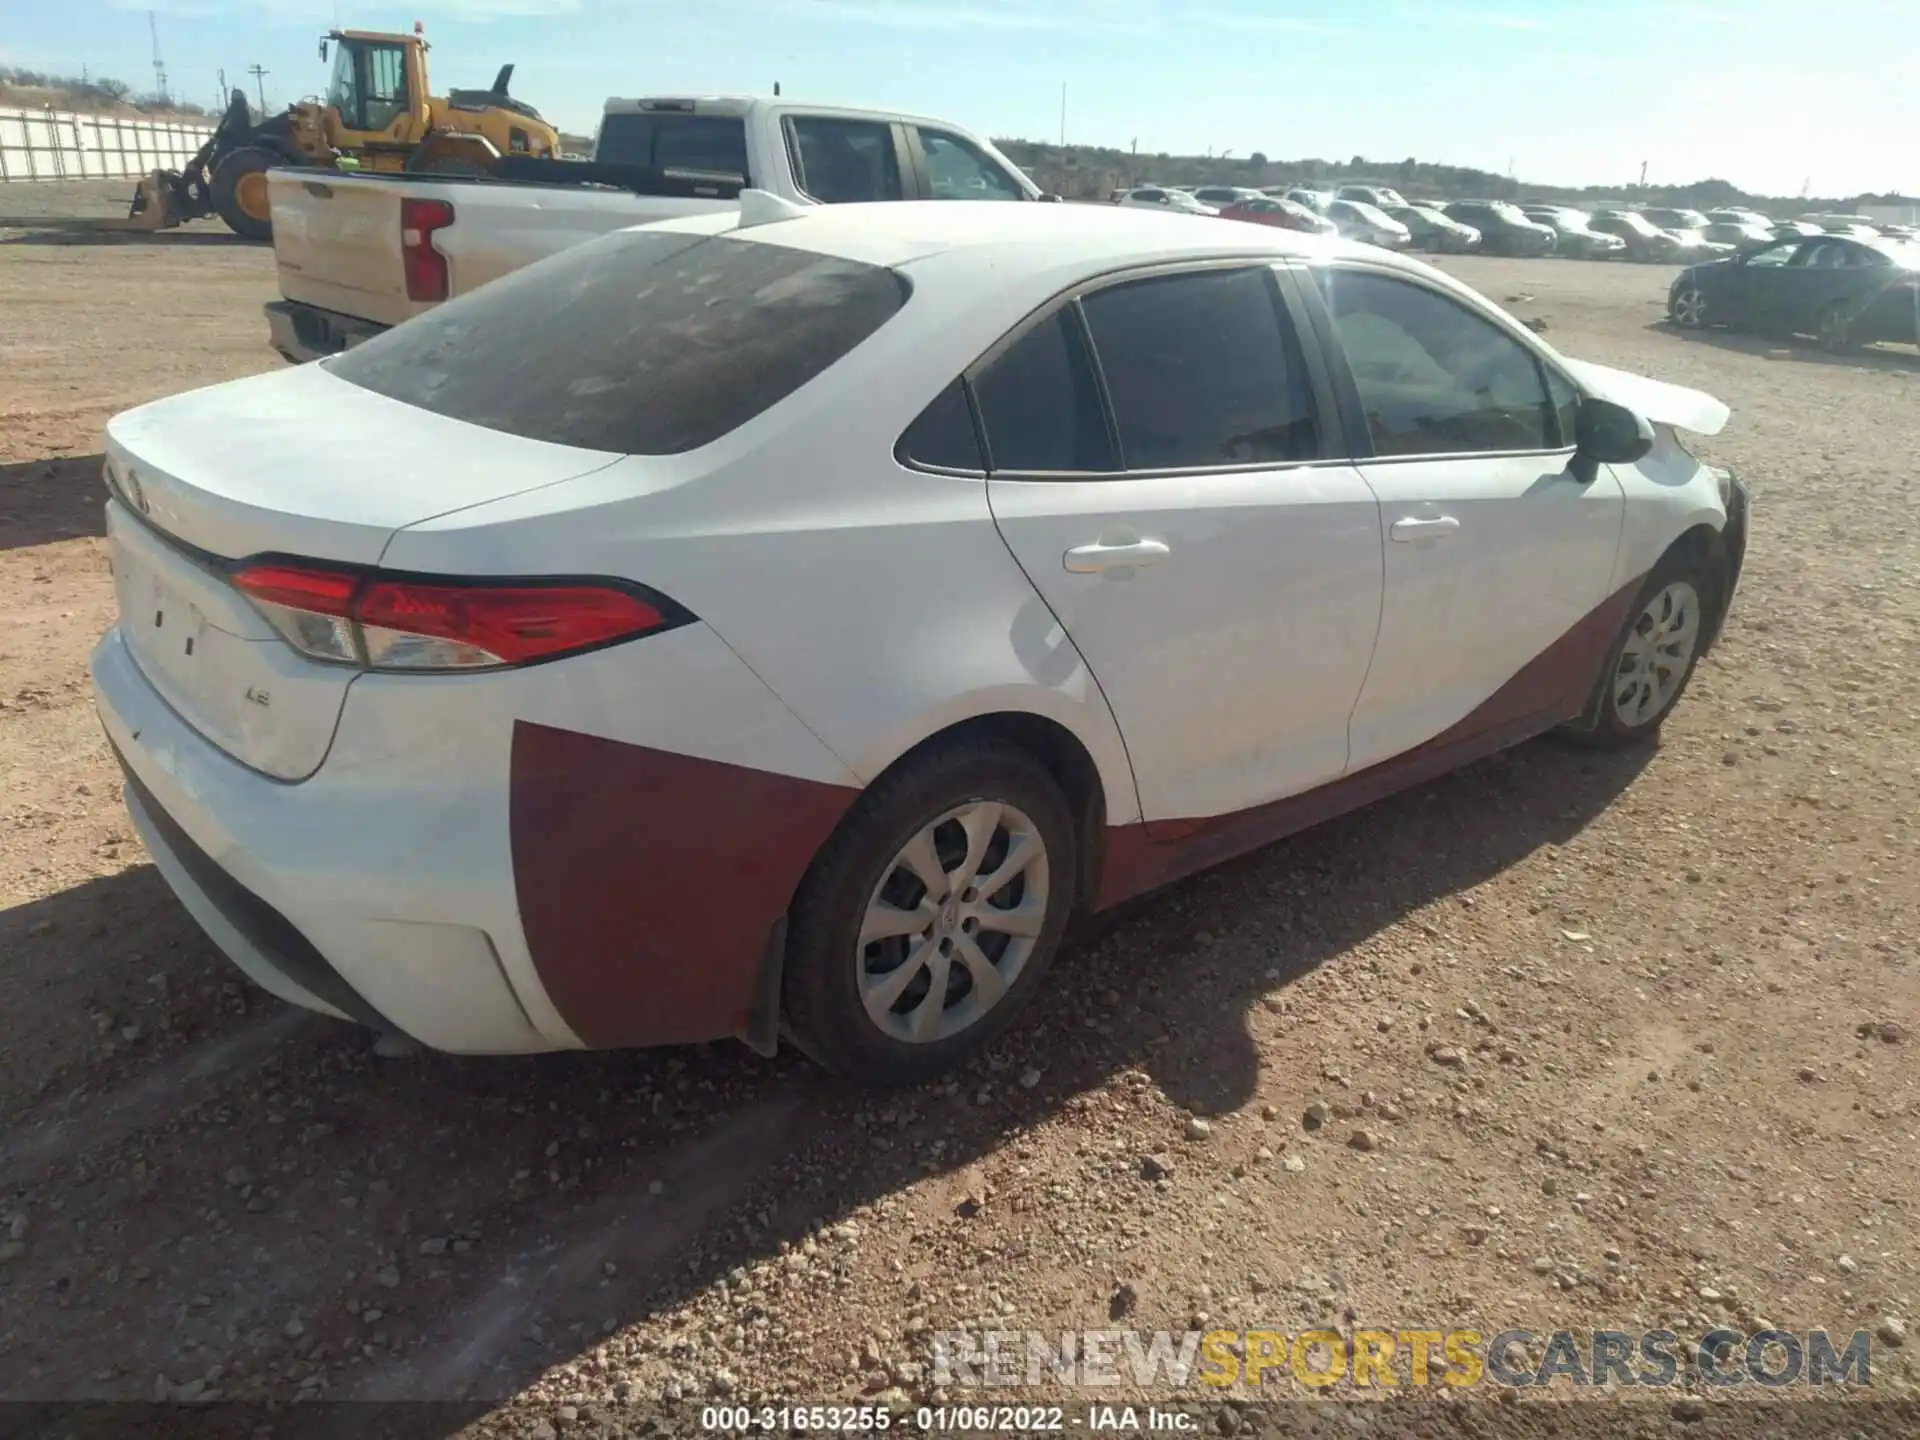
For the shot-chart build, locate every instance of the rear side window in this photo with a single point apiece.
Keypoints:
(640, 342)
(673, 141)
(1040, 403)
(844, 162)
(1202, 371)
(943, 437)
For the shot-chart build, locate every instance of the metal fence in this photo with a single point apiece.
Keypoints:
(61, 145)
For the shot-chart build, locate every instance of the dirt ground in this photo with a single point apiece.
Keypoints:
(1629, 1038)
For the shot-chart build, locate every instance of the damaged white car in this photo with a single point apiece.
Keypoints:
(828, 604)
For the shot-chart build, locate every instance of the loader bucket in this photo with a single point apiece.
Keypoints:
(151, 208)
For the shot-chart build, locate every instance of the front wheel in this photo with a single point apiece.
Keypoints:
(925, 925)
(1648, 668)
(1688, 307)
(239, 191)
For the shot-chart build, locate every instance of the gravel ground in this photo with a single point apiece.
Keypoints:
(1560, 1041)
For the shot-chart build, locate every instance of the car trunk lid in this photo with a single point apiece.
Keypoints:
(293, 463)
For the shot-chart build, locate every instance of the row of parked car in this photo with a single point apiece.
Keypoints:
(1380, 215)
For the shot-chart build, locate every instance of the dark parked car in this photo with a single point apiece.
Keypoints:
(1435, 230)
(1504, 230)
(1575, 235)
(1283, 214)
(1646, 241)
(1844, 291)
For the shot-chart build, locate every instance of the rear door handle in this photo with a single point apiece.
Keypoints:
(1408, 531)
(1091, 559)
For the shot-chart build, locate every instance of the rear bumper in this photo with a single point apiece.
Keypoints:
(303, 332)
(295, 883)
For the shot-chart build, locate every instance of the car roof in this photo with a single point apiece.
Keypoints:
(985, 235)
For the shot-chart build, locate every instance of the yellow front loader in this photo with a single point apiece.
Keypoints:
(378, 114)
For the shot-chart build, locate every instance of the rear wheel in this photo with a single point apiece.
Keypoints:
(925, 926)
(1834, 329)
(1648, 668)
(240, 191)
(1689, 307)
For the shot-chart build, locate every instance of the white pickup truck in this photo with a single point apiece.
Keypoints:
(359, 253)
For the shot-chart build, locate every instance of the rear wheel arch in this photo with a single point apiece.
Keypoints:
(1065, 757)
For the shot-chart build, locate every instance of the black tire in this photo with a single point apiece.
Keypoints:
(1831, 329)
(230, 176)
(1701, 310)
(822, 1007)
(1607, 729)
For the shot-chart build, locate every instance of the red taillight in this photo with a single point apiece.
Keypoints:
(389, 623)
(322, 592)
(514, 624)
(425, 266)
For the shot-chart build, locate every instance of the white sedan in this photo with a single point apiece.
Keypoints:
(780, 623)
(1164, 198)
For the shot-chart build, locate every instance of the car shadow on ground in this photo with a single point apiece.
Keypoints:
(93, 230)
(1796, 348)
(58, 497)
(220, 1162)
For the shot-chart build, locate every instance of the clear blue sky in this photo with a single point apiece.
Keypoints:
(1765, 93)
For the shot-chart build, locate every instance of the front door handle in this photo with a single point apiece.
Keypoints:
(1091, 559)
(1409, 531)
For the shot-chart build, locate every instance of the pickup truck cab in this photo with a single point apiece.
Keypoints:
(359, 253)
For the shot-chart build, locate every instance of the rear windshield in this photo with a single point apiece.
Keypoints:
(640, 342)
(670, 140)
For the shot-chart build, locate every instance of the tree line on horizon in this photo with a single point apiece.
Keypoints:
(1091, 171)
(84, 92)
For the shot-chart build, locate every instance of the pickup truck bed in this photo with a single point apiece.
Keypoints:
(360, 252)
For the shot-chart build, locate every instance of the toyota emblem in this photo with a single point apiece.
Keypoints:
(135, 493)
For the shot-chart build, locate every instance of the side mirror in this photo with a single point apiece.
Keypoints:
(1609, 434)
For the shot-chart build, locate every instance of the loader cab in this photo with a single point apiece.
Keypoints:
(378, 93)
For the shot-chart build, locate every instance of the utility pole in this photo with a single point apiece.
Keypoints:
(260, 81)
(159, 65)
(1063, 112)
(1643, 174)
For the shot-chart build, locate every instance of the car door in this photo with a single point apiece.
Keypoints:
(844, 160)
(1493, 550)
(1164, 466)
(1771, 283)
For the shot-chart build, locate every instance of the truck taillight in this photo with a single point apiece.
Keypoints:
(425, 266)
(433, 624)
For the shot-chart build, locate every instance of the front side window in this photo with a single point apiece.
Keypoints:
(1202, 370)
(639, 342)
(1433, 377)
(957, 170)
(1773, 255)
(343, 93)
(1040, 403)
(845, 162)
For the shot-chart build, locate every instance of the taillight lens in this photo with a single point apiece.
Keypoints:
(402, 623)
(425, 266)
